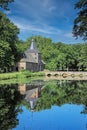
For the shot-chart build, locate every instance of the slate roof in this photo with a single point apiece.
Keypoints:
(29, 58)
(33, 48)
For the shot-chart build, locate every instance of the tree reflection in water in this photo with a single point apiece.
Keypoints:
(12, 97)
(56, 93)
(61, 92)
(9, 98)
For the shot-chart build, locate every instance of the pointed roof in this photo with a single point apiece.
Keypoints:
(29, 58)
(33, 47)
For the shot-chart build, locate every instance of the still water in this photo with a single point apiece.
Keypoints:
(44, 105)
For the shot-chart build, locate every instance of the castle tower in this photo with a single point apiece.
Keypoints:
(32, 59)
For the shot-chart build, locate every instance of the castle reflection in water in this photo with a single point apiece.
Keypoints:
(31, 93)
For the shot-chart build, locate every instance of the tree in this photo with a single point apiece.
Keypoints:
(4, 3)
(9, 38)
(6, 57)
(60, 92)
(80, 23)
(59, 56)
(82, 64)
(9, 100)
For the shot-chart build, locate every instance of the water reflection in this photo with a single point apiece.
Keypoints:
(39, 96)
(9, 98)
(31, 92)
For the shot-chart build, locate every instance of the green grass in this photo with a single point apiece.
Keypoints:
(20, 75)
(20, 81)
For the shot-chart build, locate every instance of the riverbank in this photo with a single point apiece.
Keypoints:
(20, 75)
(47, 75)
(27, 77)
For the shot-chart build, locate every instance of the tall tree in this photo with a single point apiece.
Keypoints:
(6, 57)
(9, 38)
(82, 60)
(80, 23)
(59, 56)
(4, 3)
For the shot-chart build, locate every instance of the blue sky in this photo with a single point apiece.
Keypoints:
(48, 18)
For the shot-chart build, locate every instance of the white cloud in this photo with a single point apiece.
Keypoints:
(37, 26)
(52, 18)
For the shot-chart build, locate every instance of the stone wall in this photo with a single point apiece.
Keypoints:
(21, 66)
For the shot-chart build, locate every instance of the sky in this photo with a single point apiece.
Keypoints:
(48, 18)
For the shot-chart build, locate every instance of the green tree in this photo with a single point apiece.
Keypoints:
(52, 65)
(80, 23)
(8, 34)
(57, 56)
(82, 60)
(60, 61)
(6, 57)
(4, 3)
(9, 100)
(61, 92)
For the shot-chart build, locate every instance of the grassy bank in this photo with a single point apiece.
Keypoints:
(21, 80)
(20, 75)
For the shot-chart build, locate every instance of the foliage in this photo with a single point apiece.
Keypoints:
(9, 54)
(9, 99)
(53, 93)
(59, 56)
(61, 92)
(80, 23)
(20, 75)
(6, 58)
(4, 3)
(83, 57)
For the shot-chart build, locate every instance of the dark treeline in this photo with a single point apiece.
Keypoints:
(57, 56)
